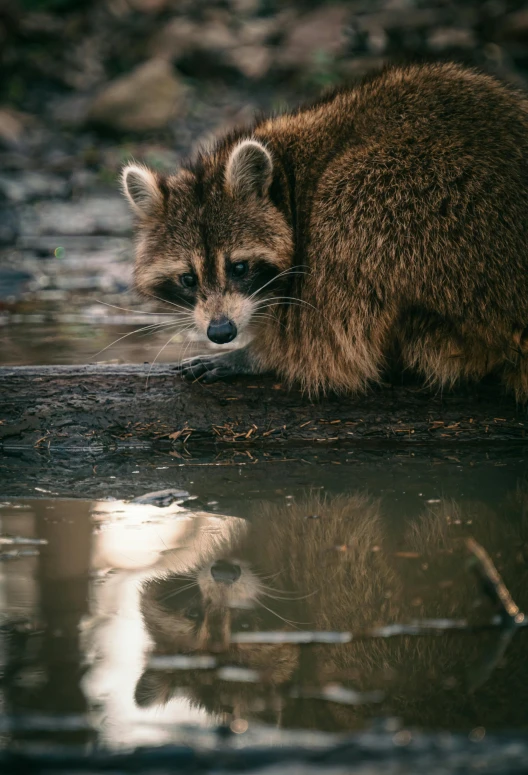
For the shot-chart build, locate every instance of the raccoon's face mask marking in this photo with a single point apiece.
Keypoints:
(211, 241)
(199, 613)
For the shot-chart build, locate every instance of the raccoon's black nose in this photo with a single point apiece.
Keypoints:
(221, 331)
(225, 573)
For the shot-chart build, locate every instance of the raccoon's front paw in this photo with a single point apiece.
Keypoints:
(211, 368)
(206, 368)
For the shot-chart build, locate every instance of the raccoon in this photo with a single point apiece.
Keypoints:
(338, 563)
(386, 218)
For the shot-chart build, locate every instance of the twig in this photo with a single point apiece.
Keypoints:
(492, 584)
(511, 616)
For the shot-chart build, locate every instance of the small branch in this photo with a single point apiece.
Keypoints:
(511, 616)
(414, 628)
(493, 585)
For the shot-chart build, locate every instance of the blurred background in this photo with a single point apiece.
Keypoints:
(88, 84)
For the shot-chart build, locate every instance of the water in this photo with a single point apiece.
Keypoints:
(35, 339)
(258, 594)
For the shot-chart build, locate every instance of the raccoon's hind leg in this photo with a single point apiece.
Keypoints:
(211, 368)
(515, 369)
(436, 349)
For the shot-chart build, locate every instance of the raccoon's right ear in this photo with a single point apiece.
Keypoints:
(152, 689)
(141, 188)
(249, 169)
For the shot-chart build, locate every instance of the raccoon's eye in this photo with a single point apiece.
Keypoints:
(188, 280)
(240, 269)
(243, 623)
(193, 613)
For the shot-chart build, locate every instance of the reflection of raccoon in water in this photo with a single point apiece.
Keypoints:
(337, 564)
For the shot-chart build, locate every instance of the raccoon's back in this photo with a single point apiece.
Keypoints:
(443, 112)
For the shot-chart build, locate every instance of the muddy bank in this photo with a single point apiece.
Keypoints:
(112, 406)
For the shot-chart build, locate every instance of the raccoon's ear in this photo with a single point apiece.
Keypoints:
(249, 169)
(152, 689)
(141, 188)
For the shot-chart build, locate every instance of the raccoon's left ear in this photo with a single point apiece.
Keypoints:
(153, 688)
(142, 189)
(249, 169)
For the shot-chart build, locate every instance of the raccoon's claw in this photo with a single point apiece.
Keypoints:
(194, 367)
(211, 368)
(219, 373)
(205, 369)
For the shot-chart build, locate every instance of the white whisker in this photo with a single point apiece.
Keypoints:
(290, 592)
(177, 324)
(136, 311)
(150, 328)
(279, 299)
(160, 351)
(287, 621)
(290, 599)
(281, 274)
(177, 592)
(166, 301)
(263, 315)
(183, 359)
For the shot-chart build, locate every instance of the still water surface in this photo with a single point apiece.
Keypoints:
(78, 338)
(247, 600)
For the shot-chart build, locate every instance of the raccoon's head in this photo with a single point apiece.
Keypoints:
(280, 572)
(199, 613)
(201, 610)
(214, 239)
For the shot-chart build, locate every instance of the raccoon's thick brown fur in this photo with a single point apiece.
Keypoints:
(392, 216)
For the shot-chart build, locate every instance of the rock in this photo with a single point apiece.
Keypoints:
(162, 498)
(321, 32)
(450, 37)
(177, 38)
(70, 110)
(257, 31)
(213, 43)
(30, 185)
(216, 35)
(12, 127)
(245, 7)
(252, 61)
(145, 99)
(91, 215)
(377, 40)
(181, 37)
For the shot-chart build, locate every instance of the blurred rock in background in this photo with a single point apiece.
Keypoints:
(148, 97)
(88, 84)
